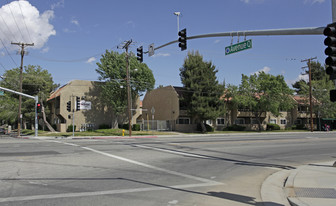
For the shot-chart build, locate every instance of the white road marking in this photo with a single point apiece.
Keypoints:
(152, 167)
(174, 152)
(106, 192)
(144, 165)
(206, 182)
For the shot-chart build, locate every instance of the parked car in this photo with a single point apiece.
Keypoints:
(2, 131)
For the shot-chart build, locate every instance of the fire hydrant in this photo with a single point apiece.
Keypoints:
(123, 132)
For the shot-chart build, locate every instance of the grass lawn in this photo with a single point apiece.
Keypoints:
(118, 132)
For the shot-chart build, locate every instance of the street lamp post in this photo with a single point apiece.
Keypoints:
(177, 13)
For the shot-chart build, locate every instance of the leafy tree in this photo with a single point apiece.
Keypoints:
(35, 81)
(264, 93)
(318, 72)
(321, 85)
(324, 106)
(203, 95)
(112, 70)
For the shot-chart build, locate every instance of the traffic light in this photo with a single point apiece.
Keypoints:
(38, 107)
(69, 106)
(330, 61)
(330, 41)
(77, 103)
(140, 54)
(333, 95)
(183, 39)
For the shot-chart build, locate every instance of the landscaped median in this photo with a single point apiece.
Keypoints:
(104, 133)
(100, 133)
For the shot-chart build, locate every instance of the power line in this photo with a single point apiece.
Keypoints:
(8, 28)
(25, 22)
(8, 52)
(15, 21)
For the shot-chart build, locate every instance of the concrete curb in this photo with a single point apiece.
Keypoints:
(92, 137)
(272, 189)
(296, 202)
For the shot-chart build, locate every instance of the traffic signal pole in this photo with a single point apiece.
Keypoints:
(29, 96)
(269, 32)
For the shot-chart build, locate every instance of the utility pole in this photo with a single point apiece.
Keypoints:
(22, 45)
(310, 92)
(126, 46)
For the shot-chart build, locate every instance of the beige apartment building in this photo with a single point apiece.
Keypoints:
(167, 104)
(92, 112)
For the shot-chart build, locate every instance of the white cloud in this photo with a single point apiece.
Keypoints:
(38, 28)
(314, 1)
(74, 21)
(252, 1)
(265, 69)
(59, 4)
(66, 30)
(45, 50)
(217, 41)
(161, 55)
(131, 24)
(298, 78)
(91, 59)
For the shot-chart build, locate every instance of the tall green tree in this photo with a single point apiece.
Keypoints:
(264, 93)
(318, 72)
(203, 92)
(35, 82)
(321, 86)
(112, 71)
(323, 107)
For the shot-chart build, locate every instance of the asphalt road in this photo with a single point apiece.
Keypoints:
(177, 170)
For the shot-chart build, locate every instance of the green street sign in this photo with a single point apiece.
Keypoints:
(238, 47)
(2, 92)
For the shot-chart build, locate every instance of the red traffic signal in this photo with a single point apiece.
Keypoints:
(38, 107)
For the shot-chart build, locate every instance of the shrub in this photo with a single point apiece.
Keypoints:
(136, 127)
(300, 126)
(235, 128)
(207, 127)
(70, 128)
(271, 126)
(104, 126)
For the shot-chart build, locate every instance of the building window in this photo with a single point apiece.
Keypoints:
(283, 121)
(254, 121)
(303, 109)
(298, 121)
(220, 121)
(183, 120)
(209, 122)
(240, 121)
(272, 121)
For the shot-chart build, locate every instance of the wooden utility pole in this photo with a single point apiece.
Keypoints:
(22, 45)
(129, 102)
(310, 93)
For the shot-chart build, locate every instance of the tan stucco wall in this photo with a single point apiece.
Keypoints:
(86, 91)
(165, 102)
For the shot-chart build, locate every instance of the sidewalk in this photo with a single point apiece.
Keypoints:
(312, 185)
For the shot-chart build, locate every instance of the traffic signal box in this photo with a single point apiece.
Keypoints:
(69, 106)
(38, 107)
(140, 54)
(77, 103)
(330, 51)
(183, 39)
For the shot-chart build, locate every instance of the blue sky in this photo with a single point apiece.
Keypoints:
(71, 35)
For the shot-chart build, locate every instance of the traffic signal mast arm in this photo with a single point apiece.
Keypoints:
(269, 32)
